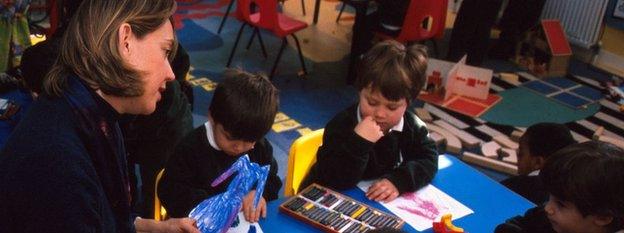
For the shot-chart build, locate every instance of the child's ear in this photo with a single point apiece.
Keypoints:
(602, 220)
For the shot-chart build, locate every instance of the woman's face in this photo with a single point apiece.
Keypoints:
(149, 55)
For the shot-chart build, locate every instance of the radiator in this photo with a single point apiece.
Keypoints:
(581, 19)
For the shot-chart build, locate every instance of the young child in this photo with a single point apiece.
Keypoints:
(241, 113)
(378, 138)
(536, 145)
(586, 192)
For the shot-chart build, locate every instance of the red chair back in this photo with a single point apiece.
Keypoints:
(267, 9)
(417, 12)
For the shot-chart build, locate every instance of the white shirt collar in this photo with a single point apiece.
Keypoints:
(398, 127)
(534, 173)
(210, 135)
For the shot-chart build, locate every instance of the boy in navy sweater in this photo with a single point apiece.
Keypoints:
(536, 145)
(586, 193)
(378, 138)
(241, 113)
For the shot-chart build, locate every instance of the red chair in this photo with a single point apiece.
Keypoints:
(229, 8)
(267, 17)
(424, 20)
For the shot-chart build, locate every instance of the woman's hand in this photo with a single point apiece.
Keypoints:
(172, 225)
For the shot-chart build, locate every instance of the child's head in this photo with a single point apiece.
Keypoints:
(390, 76)
(539, 142)
(242, 110)
(586, 186)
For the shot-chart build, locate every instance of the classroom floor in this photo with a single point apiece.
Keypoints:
(307, 103)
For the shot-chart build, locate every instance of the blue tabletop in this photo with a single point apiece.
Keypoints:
(491, 202)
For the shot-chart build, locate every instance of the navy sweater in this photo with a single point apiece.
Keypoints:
(408, 159)
(195, 164)
(48, 181)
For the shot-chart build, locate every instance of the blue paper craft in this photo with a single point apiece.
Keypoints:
(216, 214)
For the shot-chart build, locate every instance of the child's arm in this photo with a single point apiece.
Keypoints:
(342, 159)
(420, 158)
(273, 182)
(175, 190)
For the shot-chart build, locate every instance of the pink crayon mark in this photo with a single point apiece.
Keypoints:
(424, 208)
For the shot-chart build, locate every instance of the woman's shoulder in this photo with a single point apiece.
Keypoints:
(49, 124)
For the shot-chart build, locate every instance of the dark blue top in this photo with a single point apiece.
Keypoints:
(49, 182)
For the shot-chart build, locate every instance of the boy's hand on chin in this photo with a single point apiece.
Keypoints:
(252, 213)
(369, 129)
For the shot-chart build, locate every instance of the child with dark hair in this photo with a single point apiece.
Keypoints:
(378, 138)
(536, 145)
(241, 113)
(586, 192)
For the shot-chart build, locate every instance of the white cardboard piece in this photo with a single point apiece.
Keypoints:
(461, 79)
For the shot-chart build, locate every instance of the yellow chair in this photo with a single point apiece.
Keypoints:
(301, 157)
(159, 211)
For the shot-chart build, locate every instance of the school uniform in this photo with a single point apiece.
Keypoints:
(529, 186)
(406, 156)
(533, 221)
(197, 162)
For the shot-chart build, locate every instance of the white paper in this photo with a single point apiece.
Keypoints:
(244, 226)
(420, 209)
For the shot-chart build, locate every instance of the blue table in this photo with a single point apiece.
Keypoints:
(491, 202)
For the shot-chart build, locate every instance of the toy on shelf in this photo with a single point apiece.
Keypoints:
(545, 50)
(333, 212)
(216, 214)
(446, 225)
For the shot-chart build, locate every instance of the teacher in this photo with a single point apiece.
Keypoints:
(64, 167)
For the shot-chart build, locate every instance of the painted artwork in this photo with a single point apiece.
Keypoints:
(218, 213)
(420, 209)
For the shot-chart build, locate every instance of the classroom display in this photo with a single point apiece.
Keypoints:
(334, 212)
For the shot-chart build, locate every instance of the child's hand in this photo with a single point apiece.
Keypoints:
(252, 214)
(369, 129)
(382, 190)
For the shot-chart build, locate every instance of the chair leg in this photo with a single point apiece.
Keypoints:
(257, 32)
(340, 13)
(264, 52)
(240, 32)
(305, 71)
(279, 55)
(227, 12)
(251, 38)
(303, 7)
